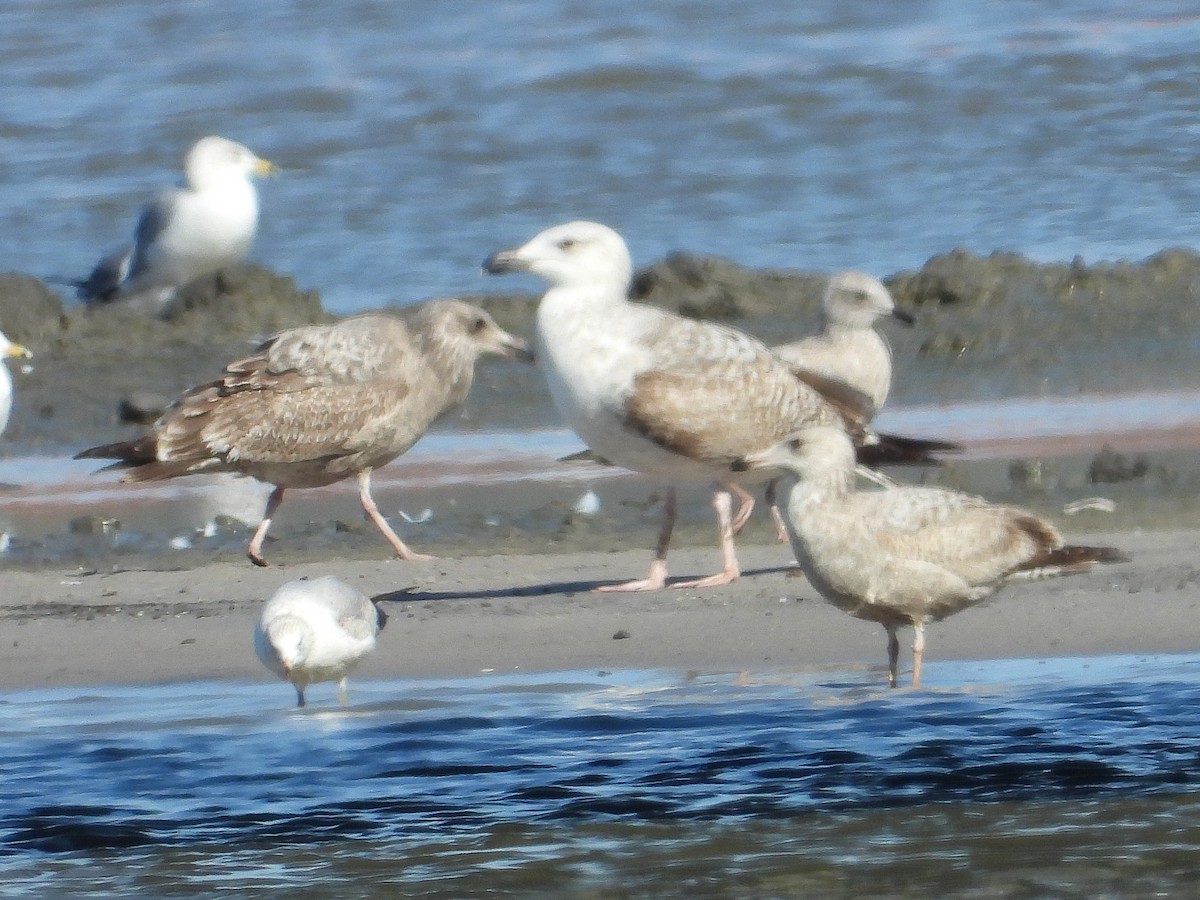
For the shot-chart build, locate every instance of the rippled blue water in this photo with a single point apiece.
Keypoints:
(423, 135)
(643, 783)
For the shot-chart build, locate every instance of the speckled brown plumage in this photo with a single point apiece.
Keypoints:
(906, 555)
(318, 404)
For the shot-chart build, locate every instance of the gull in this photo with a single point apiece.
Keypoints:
(318, 630)
(852, 354)
(188, 231)
(849, 350)
(14, 351)
(320, 403)
(659, 393)
(905, 555)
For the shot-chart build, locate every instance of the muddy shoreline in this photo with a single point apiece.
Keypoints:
(106, 583)
(988, 328)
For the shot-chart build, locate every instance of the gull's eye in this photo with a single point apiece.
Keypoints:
(478, 325)
(795, 444)
(567, 243)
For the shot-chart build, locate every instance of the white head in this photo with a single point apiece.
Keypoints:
(290, 641)
(578, 254)
(213, 160)
(857, 300)
(11, 350)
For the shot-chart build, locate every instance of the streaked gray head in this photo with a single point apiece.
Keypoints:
(215, 159)
(858, 300)
(579, 254)
(465, 332)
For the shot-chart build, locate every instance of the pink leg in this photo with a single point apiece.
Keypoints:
(723, 504)
(918, 651)
(254, 551)
(745, 506)
(781, 532)
(656, 579)
(372, 511)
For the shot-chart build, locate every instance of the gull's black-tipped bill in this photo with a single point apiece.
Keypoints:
(502, 262)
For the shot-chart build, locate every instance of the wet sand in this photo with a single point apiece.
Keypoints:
(514, 613)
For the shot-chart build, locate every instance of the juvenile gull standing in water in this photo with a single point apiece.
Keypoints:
(318, 630)
(905, 555)
(187, 231)
(320, 403)
(656, 392)
(15, 351)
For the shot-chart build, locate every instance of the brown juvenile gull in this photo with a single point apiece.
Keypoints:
(905, 555)
(186, 232)
(318, 630)
(320, 403)
(656, 392)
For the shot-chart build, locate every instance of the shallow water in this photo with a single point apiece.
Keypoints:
(419, 136)
(1032, 778)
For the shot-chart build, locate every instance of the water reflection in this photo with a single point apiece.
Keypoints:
(646, 779)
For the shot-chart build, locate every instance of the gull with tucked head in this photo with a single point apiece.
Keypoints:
(321, 403)
(905, 555)
(314, 631)
(207, 223)
(655, 392)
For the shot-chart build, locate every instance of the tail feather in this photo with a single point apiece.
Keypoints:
(894, 449)
(139, 461)
(1068, 560)
(132, 453)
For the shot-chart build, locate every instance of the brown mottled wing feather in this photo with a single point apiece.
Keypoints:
(309, 393)
(958, 532)
(715, 394)
(855, 407)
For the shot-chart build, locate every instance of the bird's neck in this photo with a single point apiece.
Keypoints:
(824, 482)
(453, 366)
(569, 314)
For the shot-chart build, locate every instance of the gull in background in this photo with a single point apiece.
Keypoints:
(12, 351)
(207, 223)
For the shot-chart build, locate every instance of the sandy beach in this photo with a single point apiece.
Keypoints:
(529, 613)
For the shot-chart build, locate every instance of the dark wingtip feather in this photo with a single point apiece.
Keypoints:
(381, 617)
(1105, 554)
(893, 449)
(131, 452)
(1073, 558)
